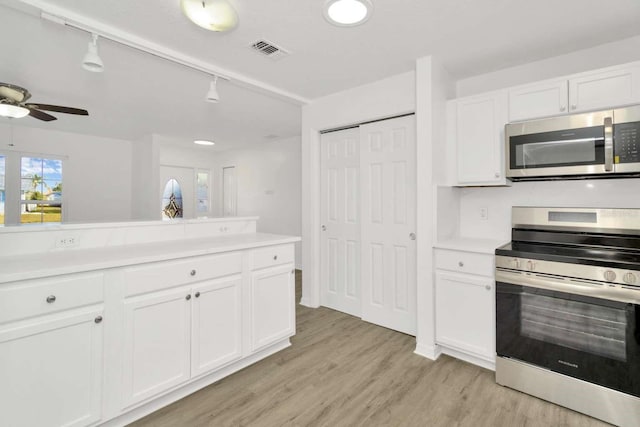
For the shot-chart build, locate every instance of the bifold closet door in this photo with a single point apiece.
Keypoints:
(388, 183)
(340, 216)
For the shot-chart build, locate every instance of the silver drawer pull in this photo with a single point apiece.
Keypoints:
(51, 299)
(98, 319)
(193, 272)
(460, 264)
(197, 294)
(188, 297)
(275, 257)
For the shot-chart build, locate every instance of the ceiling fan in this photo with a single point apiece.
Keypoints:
(13, 104)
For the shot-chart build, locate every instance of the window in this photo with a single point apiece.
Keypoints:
(202, 193)
(40, 190)
(2, 193)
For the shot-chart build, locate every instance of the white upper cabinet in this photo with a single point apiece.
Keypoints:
(541, 99)
(479, 136)
(611, 87)
(593, 90)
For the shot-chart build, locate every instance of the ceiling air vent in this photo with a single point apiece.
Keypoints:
(269, 49)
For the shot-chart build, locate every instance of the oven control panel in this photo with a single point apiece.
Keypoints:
(626, 137)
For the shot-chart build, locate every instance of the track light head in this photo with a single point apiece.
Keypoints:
(92, 61)
(212, 94)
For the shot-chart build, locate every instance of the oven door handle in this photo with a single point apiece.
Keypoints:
(608, 144)
(593, 290)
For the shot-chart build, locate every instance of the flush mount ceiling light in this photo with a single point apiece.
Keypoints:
(13, 111)
(203, 142)
(347, 13)
(212, 94)
(91, 60)
(212, 15)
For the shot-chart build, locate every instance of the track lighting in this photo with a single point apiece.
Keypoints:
(91, 60)
(212, 94)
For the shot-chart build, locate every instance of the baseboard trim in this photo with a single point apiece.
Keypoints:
(429, 351)
(161, 401)
(483, 363)
(305, 301)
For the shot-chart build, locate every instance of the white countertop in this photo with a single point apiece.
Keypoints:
(483, 246)
(31, 266)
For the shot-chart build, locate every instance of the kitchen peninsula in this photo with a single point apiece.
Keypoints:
(105, 323)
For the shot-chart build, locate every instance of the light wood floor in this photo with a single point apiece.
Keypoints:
(341, 371)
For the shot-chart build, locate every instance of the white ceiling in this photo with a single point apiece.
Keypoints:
(138, 92)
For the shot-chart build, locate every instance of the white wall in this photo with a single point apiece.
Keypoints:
(608, 54)
(96, 171)
(269, 186)
(602, 193)
(145, 155)
(385, 98)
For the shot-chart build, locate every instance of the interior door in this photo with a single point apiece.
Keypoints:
(388, 268)
(229, 191)
(340, 213)
(185, 178)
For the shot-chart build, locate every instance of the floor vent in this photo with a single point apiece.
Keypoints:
(269, 49)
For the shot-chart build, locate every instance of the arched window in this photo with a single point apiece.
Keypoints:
(172, 200)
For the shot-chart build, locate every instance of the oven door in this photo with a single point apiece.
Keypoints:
(585, 337)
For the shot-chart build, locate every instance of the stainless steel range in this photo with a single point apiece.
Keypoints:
(568, 309)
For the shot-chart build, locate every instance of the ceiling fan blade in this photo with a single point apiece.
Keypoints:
(40, 115)
(58, 109)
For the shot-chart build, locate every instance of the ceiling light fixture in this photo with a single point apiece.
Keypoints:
(92, 61)
(347, 13)
(212, 15)
(13, 111)
(203, 142)
(212, 94)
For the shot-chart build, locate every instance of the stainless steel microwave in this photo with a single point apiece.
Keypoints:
(602, 144)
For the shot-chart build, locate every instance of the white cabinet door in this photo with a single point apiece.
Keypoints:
(216, 325)
(340, 216)
(604, 89)
(51, 372)
(272, 305)
(465, 314)
(541, 99)
(388, 174)
(480, 139)
(156, 343)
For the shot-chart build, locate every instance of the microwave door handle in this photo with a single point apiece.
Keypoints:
(608, 144)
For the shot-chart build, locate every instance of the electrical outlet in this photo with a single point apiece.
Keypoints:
(66, 241)
(484, 214)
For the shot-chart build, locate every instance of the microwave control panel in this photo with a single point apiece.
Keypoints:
(626, 138)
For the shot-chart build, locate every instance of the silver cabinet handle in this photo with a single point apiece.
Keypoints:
(460, 264)
(197, 294)
(188, 297)
(562, 108)
(51, 299)
(412, 236)
(497, 174)
(192, 272)
(608, 144)
(574, 106)
(275, 257)
(98, 319)
(488, 287)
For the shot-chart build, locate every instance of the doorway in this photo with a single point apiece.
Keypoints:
(229, 191)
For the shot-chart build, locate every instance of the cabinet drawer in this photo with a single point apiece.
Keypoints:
(273, 255)
(465, 262)
(167, 274)
(39, 297)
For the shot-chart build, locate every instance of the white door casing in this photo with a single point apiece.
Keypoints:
(229, 191)
(340, 217)
(388, 260)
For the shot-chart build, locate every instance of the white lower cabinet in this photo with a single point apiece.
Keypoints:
(51, 370)
(156, 343)
(272, 305)
(465, 313)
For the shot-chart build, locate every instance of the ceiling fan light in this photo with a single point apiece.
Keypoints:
(347, 13)
(212, 94)
(203, 142)
(13, 111)
(92, 61)
(212, 15)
